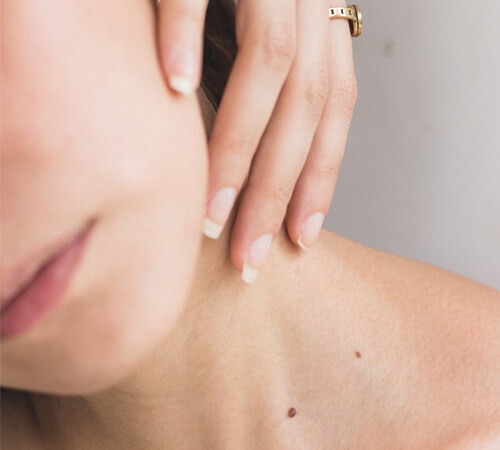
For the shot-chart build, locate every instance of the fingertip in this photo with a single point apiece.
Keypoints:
(301, 244)
(181, 26)
(181, 84)
(211, 229)
(181, 68)
(310, 229)
(256, 256)
(249, 274)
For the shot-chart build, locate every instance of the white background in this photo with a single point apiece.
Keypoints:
(421, 174)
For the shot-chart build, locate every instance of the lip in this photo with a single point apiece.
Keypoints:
(17, 277)
(45, 290)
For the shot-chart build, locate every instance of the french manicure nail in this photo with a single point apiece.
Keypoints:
(182, 71)
(310, 230)
(256, 257)
(181, 85)
(218, 211)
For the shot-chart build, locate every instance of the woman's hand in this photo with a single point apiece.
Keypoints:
(283, 120)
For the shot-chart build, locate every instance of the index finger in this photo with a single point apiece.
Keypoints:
(180, 34)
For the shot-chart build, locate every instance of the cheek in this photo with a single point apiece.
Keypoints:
(108, 143)
(126, 297)
(93, 128)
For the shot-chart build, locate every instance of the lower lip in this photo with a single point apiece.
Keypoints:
(46, 290)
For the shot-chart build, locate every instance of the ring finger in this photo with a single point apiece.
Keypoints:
(285, 144)
(315, 187)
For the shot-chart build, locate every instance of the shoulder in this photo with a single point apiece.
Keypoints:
(430, 341)
(421, 291)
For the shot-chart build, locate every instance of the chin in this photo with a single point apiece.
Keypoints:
(87, 357)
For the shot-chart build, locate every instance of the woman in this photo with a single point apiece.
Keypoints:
(338, 347)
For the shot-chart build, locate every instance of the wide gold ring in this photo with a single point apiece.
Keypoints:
(352, 13)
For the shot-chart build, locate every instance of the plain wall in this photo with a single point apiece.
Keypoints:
(421, 173)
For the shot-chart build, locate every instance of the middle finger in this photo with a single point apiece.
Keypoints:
(286, 142)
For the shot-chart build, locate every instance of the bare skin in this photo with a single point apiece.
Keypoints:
(372, 350)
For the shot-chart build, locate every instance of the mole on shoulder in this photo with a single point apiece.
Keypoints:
(358, 354)
(292, 412)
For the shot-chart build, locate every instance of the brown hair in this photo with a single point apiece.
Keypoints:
(219, 48)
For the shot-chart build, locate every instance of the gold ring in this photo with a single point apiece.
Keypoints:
(352, 13)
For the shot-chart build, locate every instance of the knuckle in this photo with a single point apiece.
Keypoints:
(280, 195)
(239, 150)
(277, 46)
(315, 91)
(344, 91)
(276, 195)
(327, 172)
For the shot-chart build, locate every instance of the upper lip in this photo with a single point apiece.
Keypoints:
(20, 275)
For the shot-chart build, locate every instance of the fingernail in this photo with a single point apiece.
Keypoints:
(182, 71)
(310, 230)
(256, 257)
(218, 211)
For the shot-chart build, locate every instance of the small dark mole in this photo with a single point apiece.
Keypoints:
(292, 412)
(358, 354)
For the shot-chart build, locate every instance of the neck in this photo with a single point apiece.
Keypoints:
(230, 335)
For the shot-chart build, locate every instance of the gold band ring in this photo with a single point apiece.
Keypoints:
(352, 13)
